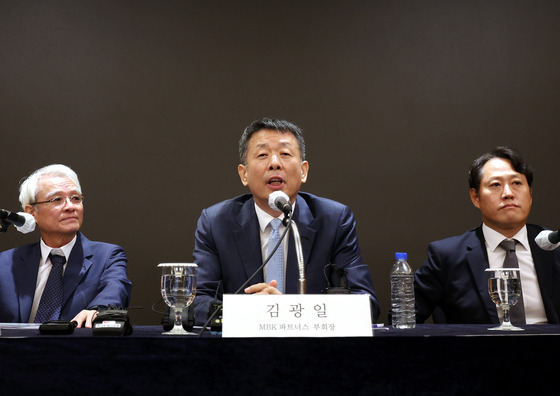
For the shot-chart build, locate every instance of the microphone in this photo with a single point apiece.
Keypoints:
(216, 312)
(23, 222)
(280, 201)
(342, 287)
(548, 240)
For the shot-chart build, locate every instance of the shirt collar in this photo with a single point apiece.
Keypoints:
(265, 218)
(493, 238)
(66, 249)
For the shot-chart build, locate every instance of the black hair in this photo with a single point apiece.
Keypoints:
(514, 156)
(274, 125)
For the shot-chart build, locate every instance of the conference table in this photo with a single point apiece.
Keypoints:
(430, 359)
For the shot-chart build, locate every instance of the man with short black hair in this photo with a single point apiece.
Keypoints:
(232, 237)
(453, 280)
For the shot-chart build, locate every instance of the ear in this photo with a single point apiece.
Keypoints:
(30, 209)
(242, 170)
(474, 198)
(304, 171)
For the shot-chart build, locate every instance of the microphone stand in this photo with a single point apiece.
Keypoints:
(299, 254)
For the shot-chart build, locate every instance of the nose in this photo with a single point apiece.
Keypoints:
(507, 193)
(274, 162)
(68, 204)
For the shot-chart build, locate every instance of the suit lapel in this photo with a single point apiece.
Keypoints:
(477, 259)
(304, 220)
(245, 236)
(77, 267)
(25, 275)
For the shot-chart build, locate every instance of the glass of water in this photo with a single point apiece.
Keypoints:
(504, 286)
(178, 289)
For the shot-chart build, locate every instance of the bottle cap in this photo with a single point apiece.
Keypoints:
(401, 256)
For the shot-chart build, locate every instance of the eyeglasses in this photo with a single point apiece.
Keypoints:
(60, 201)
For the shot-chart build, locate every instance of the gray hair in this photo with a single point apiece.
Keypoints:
(28, 188)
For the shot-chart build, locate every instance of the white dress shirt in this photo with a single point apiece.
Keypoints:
(532, 299)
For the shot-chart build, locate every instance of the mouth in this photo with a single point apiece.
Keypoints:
(509, 206)
(275, 182)
(69, 219)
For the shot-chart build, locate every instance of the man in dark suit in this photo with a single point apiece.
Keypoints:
(232, 236)
(453, 281)
(93, 273)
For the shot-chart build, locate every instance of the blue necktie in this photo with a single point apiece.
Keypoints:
(275, 267)
(51, 300)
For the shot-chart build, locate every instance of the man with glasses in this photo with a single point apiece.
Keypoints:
(65, 276)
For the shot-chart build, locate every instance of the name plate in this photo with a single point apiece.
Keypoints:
(297, 315)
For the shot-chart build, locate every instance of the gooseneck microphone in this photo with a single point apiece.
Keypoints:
(217, 308)
(23, 222)
(279, 201)
(248, 281)
(548, 240)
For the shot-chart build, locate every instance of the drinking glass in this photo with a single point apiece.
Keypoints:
(504, 286)
(178, 289)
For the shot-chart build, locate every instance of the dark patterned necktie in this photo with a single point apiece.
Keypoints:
(51, 300)
(517, 310)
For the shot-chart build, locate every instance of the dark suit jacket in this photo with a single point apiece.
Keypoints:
(454, 279)
(228, 249)
(95, 276)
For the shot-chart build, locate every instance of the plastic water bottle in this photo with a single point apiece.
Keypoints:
(402, 294)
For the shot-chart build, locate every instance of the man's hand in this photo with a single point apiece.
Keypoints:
(85, 316)
(263, 288)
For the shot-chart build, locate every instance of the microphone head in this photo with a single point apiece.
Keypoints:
(543, 240)
(29, 224)
(277, 199)
(554, 237)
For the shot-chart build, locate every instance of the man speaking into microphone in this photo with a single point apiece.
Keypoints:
(233, 237)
